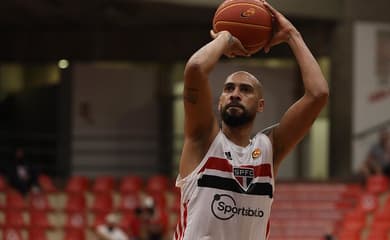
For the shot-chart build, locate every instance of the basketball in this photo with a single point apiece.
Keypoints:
(248, 20)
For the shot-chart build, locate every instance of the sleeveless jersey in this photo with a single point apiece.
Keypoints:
(230, 193)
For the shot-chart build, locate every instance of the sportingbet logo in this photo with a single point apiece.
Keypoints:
(224, 207)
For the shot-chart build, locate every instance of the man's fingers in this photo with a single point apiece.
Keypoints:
(273, 10)
(267, 48)
(246, 52)
(268, 6)
(213, 34)
(243, 50)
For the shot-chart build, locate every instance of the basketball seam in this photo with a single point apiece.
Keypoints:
(254, 45)
(244, 24)
(235, 4)
(249, 4)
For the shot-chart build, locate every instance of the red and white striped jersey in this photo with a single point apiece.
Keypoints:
(230, 193)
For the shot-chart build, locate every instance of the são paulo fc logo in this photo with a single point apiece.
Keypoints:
(224, 207)
(244, 176)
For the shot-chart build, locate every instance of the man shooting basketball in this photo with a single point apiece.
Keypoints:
(226, 176)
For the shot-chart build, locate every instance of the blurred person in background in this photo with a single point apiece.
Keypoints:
(150, 222)
(378, 158)
(226, 176)
(110, 230)
(21, 174)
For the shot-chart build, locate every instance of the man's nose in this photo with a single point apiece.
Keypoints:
(236, 94)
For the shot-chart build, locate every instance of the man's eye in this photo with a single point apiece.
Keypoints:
(245, 89)
(229, 88)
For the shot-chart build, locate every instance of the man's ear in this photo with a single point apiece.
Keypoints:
(219, 107)
(260, 105)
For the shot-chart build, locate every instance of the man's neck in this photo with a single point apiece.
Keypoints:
(238, 135)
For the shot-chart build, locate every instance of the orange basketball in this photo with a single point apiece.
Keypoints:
(248, 20)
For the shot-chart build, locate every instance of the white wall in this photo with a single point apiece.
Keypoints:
(115, 119)
(371, 85)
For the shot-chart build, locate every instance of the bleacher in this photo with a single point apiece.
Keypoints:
(369, 219)
(71, 212)
(301, 210)
(337, 211)
(309, 211)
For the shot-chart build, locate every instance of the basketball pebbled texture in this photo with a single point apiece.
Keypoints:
(248, 20)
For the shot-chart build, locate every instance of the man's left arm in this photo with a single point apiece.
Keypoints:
(298, 119)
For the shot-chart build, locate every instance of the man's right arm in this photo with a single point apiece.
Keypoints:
(201, 126)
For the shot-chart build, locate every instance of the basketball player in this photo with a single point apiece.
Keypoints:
(226, 177)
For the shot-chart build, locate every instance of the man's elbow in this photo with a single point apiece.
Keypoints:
(194, 70)
(193, 67)
(321, 96)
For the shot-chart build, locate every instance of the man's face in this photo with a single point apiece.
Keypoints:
(240, 99)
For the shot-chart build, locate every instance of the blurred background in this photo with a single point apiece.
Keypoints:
(93, 89)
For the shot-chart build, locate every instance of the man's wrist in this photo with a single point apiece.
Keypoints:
(293, 34)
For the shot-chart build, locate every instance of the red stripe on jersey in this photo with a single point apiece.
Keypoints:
(217, 164)
(262, 170)
(181, 224)
(185, 218)
(268, 227)
(178, 231)
(221, 164)
(176, 234)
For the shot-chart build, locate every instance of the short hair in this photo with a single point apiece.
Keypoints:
(259, 84)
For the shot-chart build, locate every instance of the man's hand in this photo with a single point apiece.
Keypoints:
(283, 28)
(234, 47)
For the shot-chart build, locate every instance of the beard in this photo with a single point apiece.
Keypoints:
(236, 119)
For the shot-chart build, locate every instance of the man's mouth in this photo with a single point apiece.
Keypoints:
(234, 105)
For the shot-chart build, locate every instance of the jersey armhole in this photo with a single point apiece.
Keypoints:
(270, 150)
(268, 130)
(182, 181)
